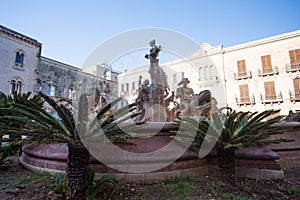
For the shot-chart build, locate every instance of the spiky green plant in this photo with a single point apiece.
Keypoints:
(94, 186)
(232, 130)
(13, 142)
(24, 115)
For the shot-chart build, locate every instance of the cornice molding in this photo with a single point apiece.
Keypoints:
(18, 36)
(263, 41)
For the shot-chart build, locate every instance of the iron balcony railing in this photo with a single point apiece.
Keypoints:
(245, 100)
(242, 75)
(271, 98)
(295, 96)
(267, 71)
(292, 67)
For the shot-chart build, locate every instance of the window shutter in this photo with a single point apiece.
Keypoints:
(244, 93)
(241, 66)
(266, 62)
(297, 55)
(270, 90)
(297, 85)
(294, 56)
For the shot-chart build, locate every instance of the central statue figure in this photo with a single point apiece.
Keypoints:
(154, 100)
(157, 74)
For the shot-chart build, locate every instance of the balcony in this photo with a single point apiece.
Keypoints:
(245, 101)
(242, 75)
(208, 81)
(295, 96)
(273, 98)
(268, 71)
(124, 93)
(19, 66)
(293, 67)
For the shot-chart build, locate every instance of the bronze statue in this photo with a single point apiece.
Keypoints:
(157, 74)
(185, 94)
(154, 100)
(143, 101)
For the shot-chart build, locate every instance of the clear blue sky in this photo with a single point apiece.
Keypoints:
(71, 30)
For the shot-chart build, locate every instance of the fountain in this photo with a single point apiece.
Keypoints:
(153, 101)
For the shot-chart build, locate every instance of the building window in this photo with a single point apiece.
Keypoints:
(270, 90)
(177, 77)
(266, 63)
(208, 73)
(244, 93)
(51, 90)
(244, 96)
(270, 95)
(296, 82)
(39, 84)
(242, 71)
(107, 88)
(15, 86)
(19, 61)
(241, 64)
(295, 96)
(127, 87)
(133, 85)
(48, 89)
(201, 73)
(295, 59)
(267, 68)
(71, 94)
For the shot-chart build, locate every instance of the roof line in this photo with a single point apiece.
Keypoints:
(15, 33)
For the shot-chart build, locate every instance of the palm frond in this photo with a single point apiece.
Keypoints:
(64, 113)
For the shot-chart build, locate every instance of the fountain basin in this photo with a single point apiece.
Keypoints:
(255, 162)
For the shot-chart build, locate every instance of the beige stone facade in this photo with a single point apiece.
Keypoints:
(254, 76)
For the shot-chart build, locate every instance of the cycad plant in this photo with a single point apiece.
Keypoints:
(13, 143)
(93, 187)
(233, 130)
(27, 116)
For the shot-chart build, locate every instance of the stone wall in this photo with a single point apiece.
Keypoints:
(70, 82)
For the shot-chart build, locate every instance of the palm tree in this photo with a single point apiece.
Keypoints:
(39, 126)
(233, 130)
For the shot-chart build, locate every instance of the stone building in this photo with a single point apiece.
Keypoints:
(19, 57)
(24, 69)
(255, 76)
(103, 70)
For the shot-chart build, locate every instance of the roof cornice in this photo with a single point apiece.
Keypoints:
(263, 41)
(11, 33)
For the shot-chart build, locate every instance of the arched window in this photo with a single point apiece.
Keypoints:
(201, 73)
(19, 87)
(213, 73)
(15, 86)
(19, 61)
(208, 73)
(51, 90)
(12, 86)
